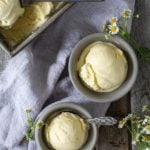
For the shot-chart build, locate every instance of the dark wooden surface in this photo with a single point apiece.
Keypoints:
(140, 94)
(111, 137)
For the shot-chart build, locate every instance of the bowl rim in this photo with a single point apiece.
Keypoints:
(129, 50)
(55, 107)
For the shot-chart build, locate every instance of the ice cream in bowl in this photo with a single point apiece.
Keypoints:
(65, 128)
(103, 70)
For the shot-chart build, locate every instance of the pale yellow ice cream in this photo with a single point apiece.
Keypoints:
(10, 11)
(102, 67)
(67, 131)
(34, 16)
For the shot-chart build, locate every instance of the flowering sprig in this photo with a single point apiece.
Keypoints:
(139, 128)
(29, 136)
(126, 13)
(146, 108)
(117, 26)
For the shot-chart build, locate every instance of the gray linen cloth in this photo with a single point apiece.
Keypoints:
(38, 75)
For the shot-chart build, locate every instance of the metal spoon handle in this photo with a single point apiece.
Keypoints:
(107, 121)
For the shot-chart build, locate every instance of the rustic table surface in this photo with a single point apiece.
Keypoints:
(112, 138)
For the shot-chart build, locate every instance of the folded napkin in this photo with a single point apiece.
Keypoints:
(38, 76)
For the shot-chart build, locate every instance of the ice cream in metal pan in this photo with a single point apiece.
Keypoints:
(10, 11)
(19, 25)
(33, 17)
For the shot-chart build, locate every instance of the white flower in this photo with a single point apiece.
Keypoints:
(122, 123)
(147, 129)
(145, 121)
(145, 138)
(106, 36)
(113, 29)
(137, 16)
(113, 20)
(120, 126)
(146, 108)
(126, 13)
(133, 142)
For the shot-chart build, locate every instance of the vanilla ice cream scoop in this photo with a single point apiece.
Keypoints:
(67, 131)
(102, 67)
(10, 11)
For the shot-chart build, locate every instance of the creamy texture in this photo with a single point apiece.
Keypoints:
(67, 131)
(41, 12)
(10, 11)
(102, 67)
(34, 16)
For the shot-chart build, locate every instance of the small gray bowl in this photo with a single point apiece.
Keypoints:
(57, 108)
(131, 75)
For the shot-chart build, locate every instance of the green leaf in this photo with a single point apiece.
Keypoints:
(28, 110)
(146, 108)
(40, 124)
(145, 51)
(143, 145)
(31, 126)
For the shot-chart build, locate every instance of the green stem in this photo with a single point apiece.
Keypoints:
(129, 129)
(124, 24)
(131, 40)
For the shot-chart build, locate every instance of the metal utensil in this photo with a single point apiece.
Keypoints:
(27, 2)
(107, 121)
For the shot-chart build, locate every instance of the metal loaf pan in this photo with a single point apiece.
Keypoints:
(13, 51)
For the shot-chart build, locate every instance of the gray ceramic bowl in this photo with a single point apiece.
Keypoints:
(54, 109)
(132, 68)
